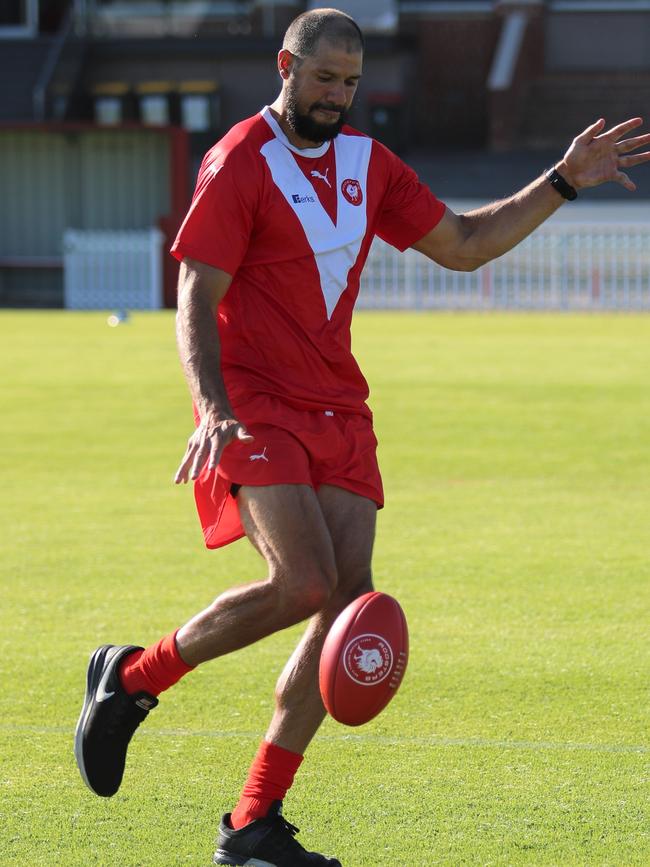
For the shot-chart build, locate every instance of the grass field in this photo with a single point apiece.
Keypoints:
(516, 460)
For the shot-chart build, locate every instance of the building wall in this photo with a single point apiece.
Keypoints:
(83, 179)
(96, 179)
(598, 41)
(449, 92)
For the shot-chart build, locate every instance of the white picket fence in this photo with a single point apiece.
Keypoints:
(112, 270)
(573, 263)
(588, 266)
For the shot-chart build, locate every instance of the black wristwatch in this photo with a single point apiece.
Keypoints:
(558, 183)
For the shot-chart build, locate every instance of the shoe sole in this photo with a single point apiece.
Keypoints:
(221, 857)
(93, 676)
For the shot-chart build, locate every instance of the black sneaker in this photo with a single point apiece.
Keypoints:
(109, 717)
(267, 842)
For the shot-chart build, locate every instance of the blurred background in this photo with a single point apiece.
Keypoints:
(107, 107)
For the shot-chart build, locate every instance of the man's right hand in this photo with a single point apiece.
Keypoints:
(206, 445)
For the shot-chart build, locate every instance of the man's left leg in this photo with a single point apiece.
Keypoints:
(299, 709)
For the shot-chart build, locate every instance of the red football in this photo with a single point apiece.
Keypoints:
(364, 658)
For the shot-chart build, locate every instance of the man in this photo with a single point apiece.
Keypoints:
(271, 251)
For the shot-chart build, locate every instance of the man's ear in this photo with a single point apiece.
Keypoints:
(285, 63)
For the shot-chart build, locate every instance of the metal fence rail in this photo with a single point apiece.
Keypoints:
(562, 266)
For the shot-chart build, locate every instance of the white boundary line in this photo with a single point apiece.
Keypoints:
(380, 740)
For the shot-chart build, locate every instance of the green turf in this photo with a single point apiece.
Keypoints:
(516, 460)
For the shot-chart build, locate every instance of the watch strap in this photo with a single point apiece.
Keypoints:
(560, 184)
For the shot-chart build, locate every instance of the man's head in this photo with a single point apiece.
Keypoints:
(320, 64)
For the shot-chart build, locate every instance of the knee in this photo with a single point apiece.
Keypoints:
(352, 584)
(305, 592)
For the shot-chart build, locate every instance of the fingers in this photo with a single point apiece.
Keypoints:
(635, 160)
(182, 471)
(618, 131)
(631, 144)
(207, 447)
(216, 447)
(622, 179)
(194, 458)
(199, 449)
(220, 441)
(591, 131)
(200, 458)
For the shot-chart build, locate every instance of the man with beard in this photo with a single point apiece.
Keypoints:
(272, 248)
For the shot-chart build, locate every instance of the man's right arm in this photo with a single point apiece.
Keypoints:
(200, 289)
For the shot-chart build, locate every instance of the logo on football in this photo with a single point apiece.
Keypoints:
(352, 191)
(368, 659)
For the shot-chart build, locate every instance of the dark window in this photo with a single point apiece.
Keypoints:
(13, 13)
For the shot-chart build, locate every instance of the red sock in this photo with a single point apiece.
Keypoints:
(269, 779)
(154, 669)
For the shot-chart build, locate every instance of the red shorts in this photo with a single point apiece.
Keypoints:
(291, 446)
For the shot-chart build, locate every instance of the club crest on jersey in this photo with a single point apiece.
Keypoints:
(368, 659)
(352, 191)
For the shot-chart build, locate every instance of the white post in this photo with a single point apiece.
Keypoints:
(155, 268)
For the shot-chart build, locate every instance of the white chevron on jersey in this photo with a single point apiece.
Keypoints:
(336, 246)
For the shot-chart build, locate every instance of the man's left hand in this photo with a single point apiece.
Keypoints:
(596, 157)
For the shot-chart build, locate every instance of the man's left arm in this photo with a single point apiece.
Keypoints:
(465, 242)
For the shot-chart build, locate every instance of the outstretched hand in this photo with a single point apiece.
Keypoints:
(206, 445)
(596, 157)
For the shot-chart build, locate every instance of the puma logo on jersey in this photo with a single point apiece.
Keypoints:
(299, 200)
(316, 174)
(261, 457)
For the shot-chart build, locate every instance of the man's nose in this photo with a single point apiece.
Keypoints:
(336, 94)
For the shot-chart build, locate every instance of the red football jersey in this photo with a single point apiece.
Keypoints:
(293, 227)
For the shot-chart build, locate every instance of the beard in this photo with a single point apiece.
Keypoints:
(304, 125)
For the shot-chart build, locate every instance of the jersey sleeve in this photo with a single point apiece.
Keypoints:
(409, 209)
(218, 225)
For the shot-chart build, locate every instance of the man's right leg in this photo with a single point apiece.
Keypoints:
(294, 540)
(302, 575)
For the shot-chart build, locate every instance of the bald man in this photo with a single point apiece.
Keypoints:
(285, 210)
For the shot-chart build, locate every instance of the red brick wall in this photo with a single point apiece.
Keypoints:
(449, 95)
